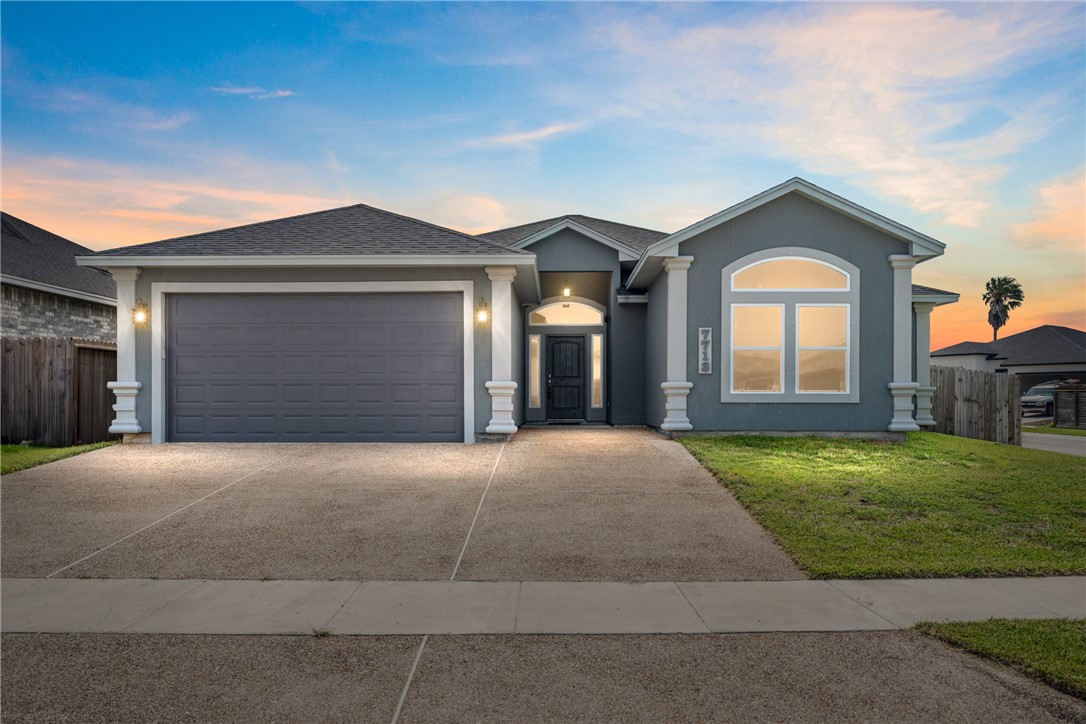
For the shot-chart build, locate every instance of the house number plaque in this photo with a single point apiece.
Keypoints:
(705, 350)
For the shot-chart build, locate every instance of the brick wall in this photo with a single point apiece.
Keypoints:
(31, 313)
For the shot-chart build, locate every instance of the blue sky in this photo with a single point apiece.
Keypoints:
(129, 122)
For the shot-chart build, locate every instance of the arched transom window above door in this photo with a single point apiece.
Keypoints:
(566, 313)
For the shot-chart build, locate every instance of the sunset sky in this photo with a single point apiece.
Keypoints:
(128, 122)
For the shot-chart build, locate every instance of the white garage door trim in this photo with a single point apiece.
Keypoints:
(159, 290)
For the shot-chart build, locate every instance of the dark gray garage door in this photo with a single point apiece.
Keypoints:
(315, 367)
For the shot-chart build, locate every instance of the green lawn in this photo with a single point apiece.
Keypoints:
(1050, 650)
(1050, 430)
(933, 506)
(21, 457)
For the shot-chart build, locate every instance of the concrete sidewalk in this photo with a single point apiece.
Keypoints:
(1066, 444)
(38, 605)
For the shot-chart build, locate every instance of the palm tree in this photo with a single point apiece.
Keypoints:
(1001, 294)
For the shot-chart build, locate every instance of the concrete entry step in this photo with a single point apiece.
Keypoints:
(39, 605)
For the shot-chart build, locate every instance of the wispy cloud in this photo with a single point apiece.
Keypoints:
(255, 93)
(470, 213)
(1059, 217)
(859, 91)
(100, 110)
(527, 139)
(104, 205)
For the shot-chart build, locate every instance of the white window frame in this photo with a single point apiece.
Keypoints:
(791, 257)
(595, 340)
(845, 349)
(535, 371)
(747, 348)
(558, 301)
(791, 300)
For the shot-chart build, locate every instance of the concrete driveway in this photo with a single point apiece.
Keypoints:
(554, 504)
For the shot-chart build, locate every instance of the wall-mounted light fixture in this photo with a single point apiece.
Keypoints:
(482, 312)
(141, 313)
(567, 292)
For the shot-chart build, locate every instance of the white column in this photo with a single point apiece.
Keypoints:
(676, 388)
(924, 391)
(501, 385)
(903, 387)
(125, 387)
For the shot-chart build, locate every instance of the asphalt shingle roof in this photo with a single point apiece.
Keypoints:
(1043, 345)
(634, 237)
(922, 290)
(350, 230)
(32, 253)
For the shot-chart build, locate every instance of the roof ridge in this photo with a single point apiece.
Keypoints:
(233, 228)
(621, 223)
(19, 233)
(527, 223)
(440, 228)
(319, 212)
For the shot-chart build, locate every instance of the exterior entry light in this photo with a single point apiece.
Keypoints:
(141, 313)
(566, 292)
(482, 312)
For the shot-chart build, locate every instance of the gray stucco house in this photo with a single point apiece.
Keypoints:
(42, 291)
(791, 311)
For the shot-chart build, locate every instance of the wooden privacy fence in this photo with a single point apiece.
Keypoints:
(53, 390)
(1069, 407)
(977, 404)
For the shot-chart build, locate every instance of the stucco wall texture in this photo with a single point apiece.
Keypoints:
(793, 221)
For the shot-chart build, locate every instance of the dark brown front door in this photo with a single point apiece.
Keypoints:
(565, 378)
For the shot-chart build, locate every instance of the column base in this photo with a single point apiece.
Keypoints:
(902, 393)
(923, 406)
(501, 406)
(675, 405)
(125, 407)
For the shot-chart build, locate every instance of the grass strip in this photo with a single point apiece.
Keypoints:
(1052, 651)
(21, 457)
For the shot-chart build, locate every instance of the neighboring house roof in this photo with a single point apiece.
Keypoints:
(1045, 345)
(984, 348)
(38, 259)
(357, 230)
(635, 237)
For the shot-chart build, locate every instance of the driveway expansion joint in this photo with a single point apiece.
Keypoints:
(68, 605)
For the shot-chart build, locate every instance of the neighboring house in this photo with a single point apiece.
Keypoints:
(1037, 355)
(44, 293)
(791, 311)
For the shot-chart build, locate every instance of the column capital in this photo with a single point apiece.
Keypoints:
(923, 307)
(125, 273)
(902, 261)
(501, 273)
(677, 263)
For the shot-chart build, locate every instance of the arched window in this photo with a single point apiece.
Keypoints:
(788, 274)
(570, 313)
(790, 324)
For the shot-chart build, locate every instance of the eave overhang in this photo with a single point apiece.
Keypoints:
(921, 246)
(527, 280)
(936, 299)
(59, 291)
